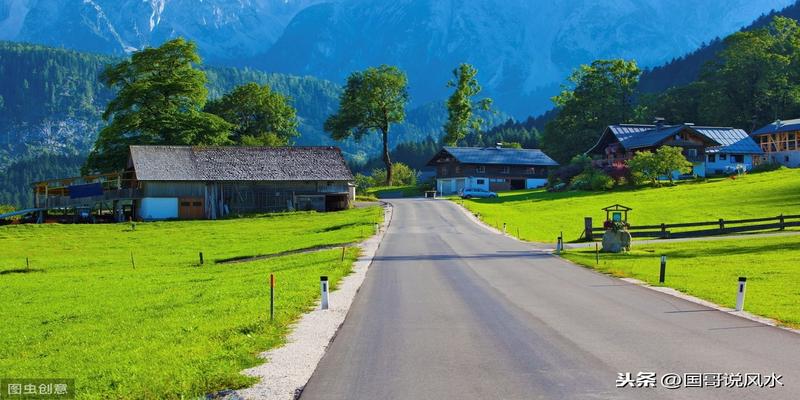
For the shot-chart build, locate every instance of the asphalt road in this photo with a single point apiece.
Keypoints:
(450, 310)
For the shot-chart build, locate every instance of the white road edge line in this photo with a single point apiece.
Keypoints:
(288, 368)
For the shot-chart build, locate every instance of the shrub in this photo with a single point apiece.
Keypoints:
(403, 176)
(765, 167)
(363, 183)
(567, 173)
(592, 179)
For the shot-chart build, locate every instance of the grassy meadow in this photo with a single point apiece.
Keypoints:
(710, 270)
(168, 327)
(540, 215)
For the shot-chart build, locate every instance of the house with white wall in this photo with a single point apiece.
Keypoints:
(489, 168)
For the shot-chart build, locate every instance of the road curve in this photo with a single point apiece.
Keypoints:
(450, 310)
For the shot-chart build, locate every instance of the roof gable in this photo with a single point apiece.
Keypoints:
(496, 156)
(778, 126)
(189, 163)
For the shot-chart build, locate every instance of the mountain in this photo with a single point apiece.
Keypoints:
(686, 69)
(523, 53)
(225, 30)
(51, 104)
(524, 50)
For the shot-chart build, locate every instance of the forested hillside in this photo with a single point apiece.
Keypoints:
(686, 69)
(15, 179)
(51, 103)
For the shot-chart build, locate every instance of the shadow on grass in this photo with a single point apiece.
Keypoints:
(20, 271)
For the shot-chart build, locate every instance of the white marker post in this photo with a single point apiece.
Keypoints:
(323, 283)
(740, 293)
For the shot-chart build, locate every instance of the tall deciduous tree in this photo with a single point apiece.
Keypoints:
(461, 118)
(160, 100)
(596, 95)
(372, 101)
(260, 117)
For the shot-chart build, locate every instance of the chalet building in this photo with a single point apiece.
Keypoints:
(780, 142)
(711, 150)
(185, 182)
(489, 168)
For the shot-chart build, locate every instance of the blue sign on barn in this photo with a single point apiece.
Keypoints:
(87, 190)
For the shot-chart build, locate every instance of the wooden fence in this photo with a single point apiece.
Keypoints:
(720, 227)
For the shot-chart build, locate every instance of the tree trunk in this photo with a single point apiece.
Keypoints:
(386, 160)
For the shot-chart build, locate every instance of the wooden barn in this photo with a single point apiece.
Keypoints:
(186, 182)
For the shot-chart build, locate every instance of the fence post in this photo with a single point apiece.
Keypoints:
(271, 296)
(721, 225)
(663, 272)
(597, 253)
(663, 230)
(201, 258)
(587, 228)
(504, 228)
(782, 222)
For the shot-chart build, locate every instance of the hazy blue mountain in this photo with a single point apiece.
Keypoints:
(523, 49)
(225, 30)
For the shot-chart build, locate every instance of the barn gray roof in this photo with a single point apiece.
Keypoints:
(778, 126)
(190, 163)
(501, 156)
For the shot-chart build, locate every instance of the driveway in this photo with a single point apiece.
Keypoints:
(450, 310)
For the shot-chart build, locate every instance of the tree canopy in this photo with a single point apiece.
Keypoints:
(754, 80)
(260, 117)
(461, 118)
(597, 95)
(160, 100)
(372, 101)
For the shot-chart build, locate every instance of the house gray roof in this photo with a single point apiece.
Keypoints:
(504, 156)
(778, 126)
(731, 140)
(190, 163)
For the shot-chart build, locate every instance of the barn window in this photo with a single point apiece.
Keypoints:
(185, 204)
(723, 157)
(481, 169)
(197, 204)
(506, 169)
(712, 158)
(458, 169)
(480, 181)
(737, 158)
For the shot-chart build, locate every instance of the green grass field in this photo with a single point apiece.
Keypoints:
(395, 191)
(541, 216)
(168, 328)
(710, 270)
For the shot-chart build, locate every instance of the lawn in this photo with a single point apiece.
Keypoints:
(541, 216)
(168, 328)
(395, 191)
(710, 270)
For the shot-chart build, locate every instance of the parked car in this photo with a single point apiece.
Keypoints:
(477, 192)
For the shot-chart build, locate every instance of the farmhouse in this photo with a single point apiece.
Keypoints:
(780, 142)
(184, 182)
(711, 150)
(489, 168)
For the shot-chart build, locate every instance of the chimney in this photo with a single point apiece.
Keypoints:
(658, 122)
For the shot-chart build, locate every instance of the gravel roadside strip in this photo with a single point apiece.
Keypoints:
(289, 368)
